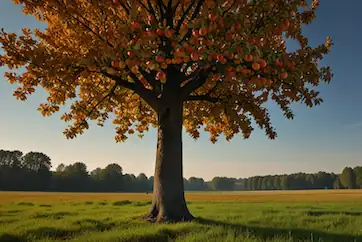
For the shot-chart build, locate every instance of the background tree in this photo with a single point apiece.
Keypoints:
(347, 178)
(111, 178)
(195, 183)
(223, 183)
(76, 177)
(358, 176)
(37, 166)
(142, 182)
(15, 174)
(168, 63)
(11, 173)
(276, 182)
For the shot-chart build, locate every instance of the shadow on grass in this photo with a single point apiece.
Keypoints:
(50, 232)
(53, 233)
(8, 221)
(25, 204)
(140, 204)
(267, 233)
(57, 215)
(10, 212)
(10, 238)
(45, 205)
(321, 213)
(121, 203)
(162, 235)
(95, 225)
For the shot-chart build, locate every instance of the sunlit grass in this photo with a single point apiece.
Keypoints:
(221, 216)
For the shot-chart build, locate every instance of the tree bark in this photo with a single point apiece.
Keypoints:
(169, 203)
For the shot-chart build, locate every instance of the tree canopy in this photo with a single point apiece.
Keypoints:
(118, 59)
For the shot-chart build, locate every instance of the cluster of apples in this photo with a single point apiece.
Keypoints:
(200, 46)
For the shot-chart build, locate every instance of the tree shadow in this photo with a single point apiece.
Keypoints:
(53, 233)
(56, 215)
(121, 203)
(321, 213)
(267, 233)
(162, 235)
(10, 238)
(95, 225)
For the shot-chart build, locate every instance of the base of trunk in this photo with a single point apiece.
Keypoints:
(161, 215)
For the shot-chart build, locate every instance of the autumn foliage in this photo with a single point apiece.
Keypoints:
(116, 59)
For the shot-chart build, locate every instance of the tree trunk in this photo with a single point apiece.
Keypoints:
(169, 203)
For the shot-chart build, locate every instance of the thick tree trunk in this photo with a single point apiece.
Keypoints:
(169, 203)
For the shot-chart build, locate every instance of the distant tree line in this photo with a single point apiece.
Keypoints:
(32, 172)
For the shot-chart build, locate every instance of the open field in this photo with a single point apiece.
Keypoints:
(225, 216)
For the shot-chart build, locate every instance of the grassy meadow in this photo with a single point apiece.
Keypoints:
(328, 215)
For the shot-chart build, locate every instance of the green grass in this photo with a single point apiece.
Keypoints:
(244, 216)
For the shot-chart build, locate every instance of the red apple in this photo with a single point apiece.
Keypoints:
(256, 66)
(278, 63)
(168, 33)
(195, 33)
(195, 56)
(151, 18)
(219, 57)
(115, 64)
(237, 26)
(160, 58)
(262, 63)
(143, 81)
(131, 54)
(189, 48)
(212, 17)
(248, 58)
(286, 24)
(283, 75)
(161, 75)
(229, 36)
(203, 31)
(159, 32)
(135, 25)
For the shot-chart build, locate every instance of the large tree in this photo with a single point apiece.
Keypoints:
(169, 64)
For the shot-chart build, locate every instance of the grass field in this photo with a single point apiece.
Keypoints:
(225, 216)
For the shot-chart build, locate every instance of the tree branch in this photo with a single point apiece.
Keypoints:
(184, 17)
(169, 14)
(194, 84)
(150, 10)
(150, 78)
(147, 95)
(207, 98)
(161, 6)
(89, 113)
(194, 15)
(227, 10)
(126, 8)
(85, 25)
(120, 81)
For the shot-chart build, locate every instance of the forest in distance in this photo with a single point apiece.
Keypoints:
(32, 172)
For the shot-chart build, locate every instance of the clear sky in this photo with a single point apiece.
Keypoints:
(327, 137)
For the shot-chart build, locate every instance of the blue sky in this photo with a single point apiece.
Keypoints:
(327, 137)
